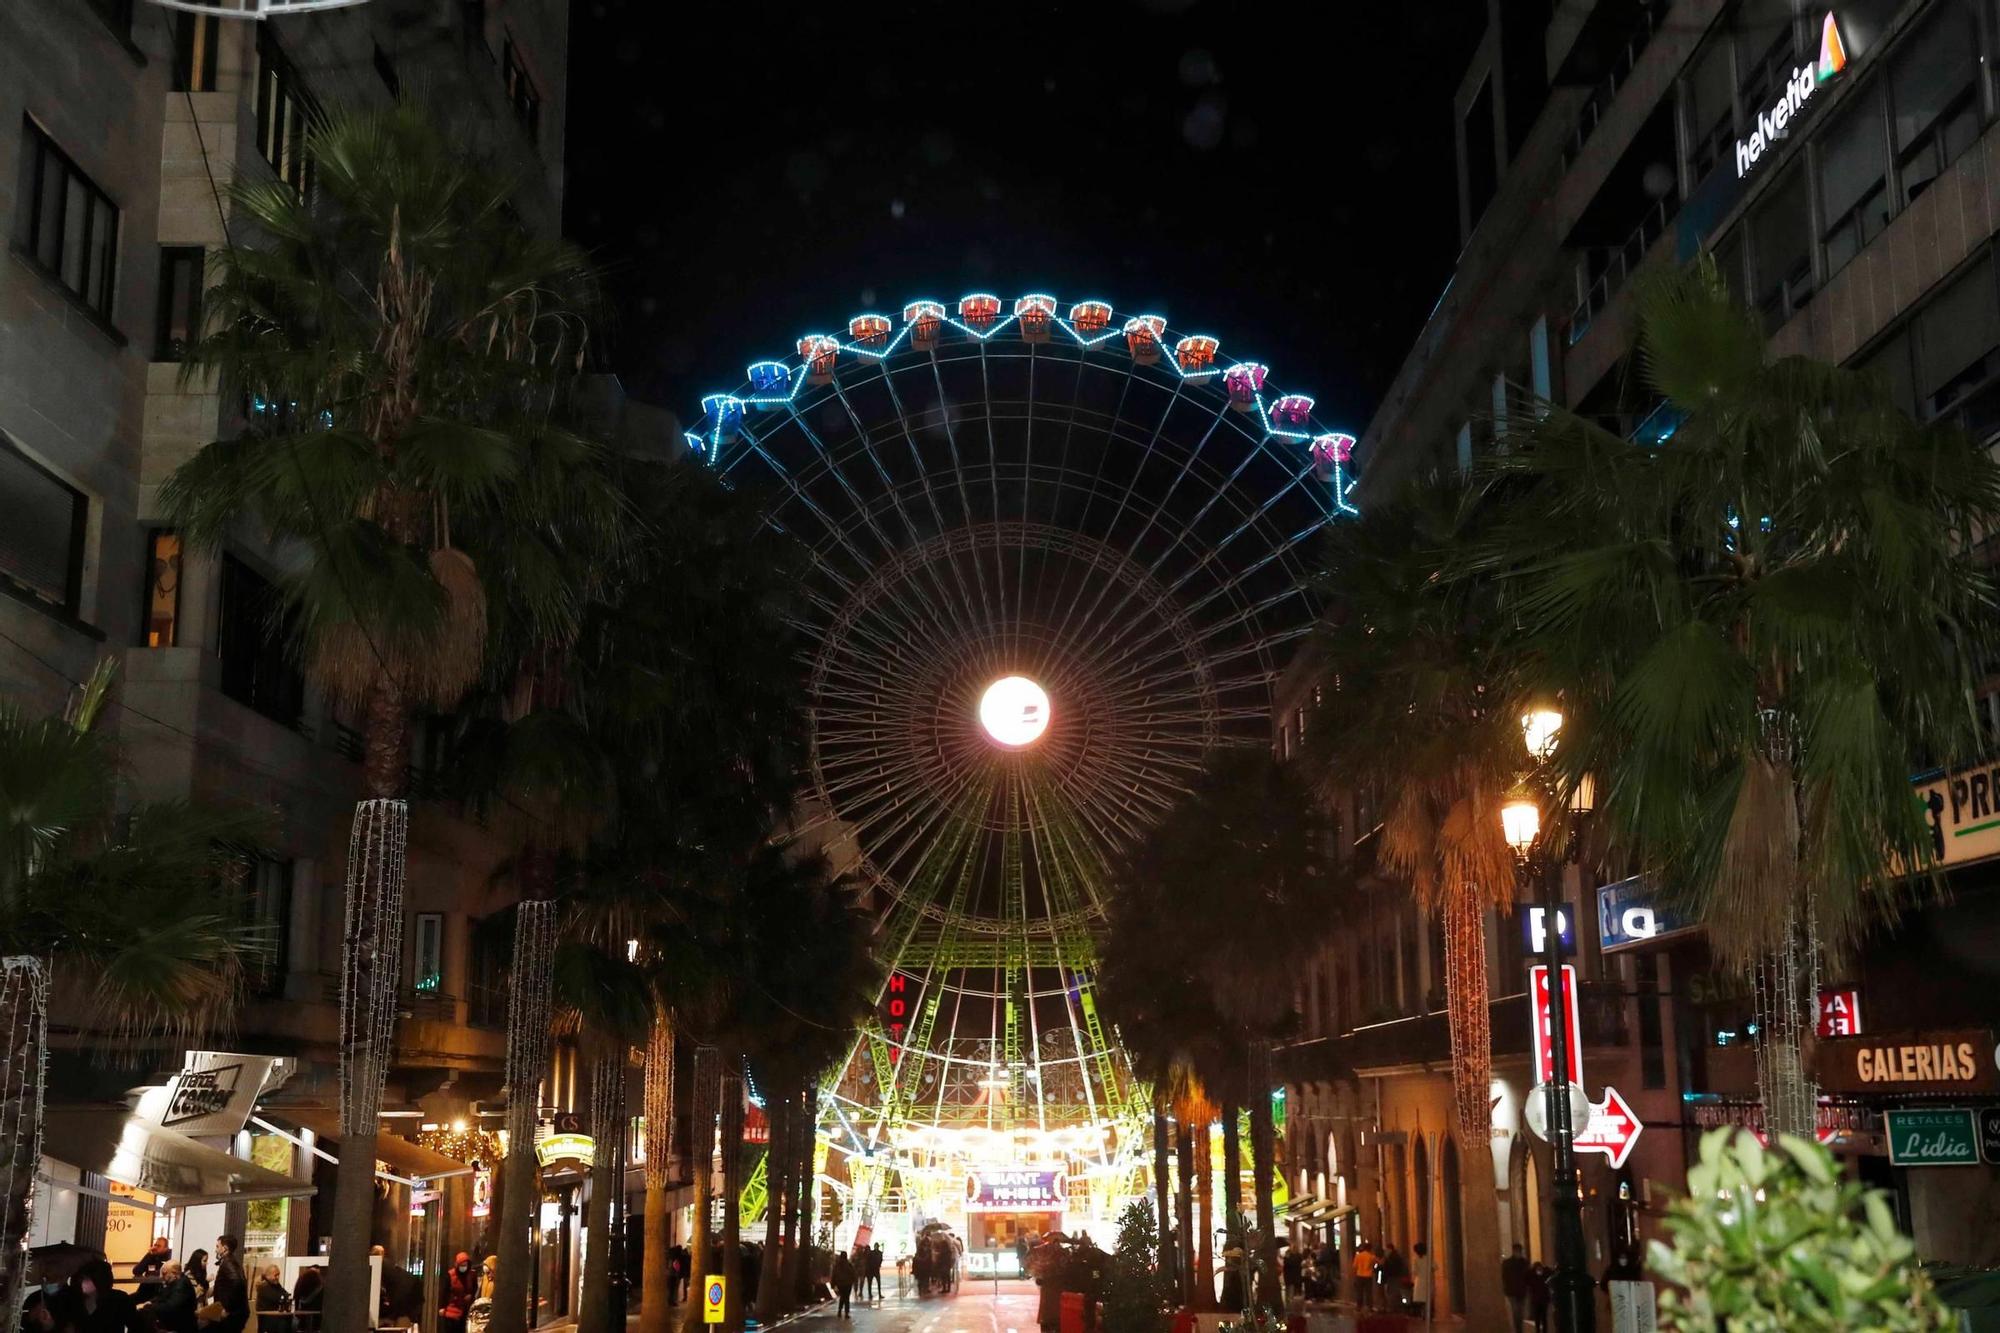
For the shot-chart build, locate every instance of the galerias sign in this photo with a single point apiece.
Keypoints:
(1955, 1061)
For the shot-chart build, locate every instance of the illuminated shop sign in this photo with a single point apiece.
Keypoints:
(1000, 1189)
(1773, 123)
(1963, 812)
(1960, 1060)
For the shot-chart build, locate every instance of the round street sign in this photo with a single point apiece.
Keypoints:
(1536, 1106)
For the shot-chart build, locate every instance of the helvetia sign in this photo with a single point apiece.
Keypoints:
(1773, 123)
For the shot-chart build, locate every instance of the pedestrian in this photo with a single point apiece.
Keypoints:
(197, 1273)
(1292, 1264)
(873, 1254)
(1048, 1265)
(903, 1273)
(1420, 1278)
(921, 1266)
(461, 1289)
(231, 1290)
(100, 1307)
(1364, 1276)
(843, 1282)
(173, 1304)
(489, 1273)
(1514, 1286)
(149, 1264)
(749, 1267)
(1538, 1296)
(677, 1273)
(1022, 1244)
(1393, 1272)
(307, 1294)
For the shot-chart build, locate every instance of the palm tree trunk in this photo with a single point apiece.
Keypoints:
(1464, 912)
(24, 1007)
(607, 1111)
(1184, 1208)
(527, 1065)
(1204, 1264)
(1263, 1162)
(701, 1145)
(732, 1200)
(371, 958)
(1160, 1175)
(805, 1151)
(1232, 1201)
(385, 741)
(655, 1313)
(777, 1169)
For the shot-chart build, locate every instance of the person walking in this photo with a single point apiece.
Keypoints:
(1538, 1296)
(1293, 1266)
(1514, 1286)
(461, 1289)
(1420, 1279)
(875, 1268)
(232, 1289)
(1364, 1277)
(1393, 1272)
(1048, 1268)
(843, 1282)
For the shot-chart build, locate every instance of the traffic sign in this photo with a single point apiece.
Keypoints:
(1538, 1001)
(1613, 1129)
(714, 1288)
(1537, 1108)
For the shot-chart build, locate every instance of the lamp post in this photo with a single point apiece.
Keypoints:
(1571, 1292)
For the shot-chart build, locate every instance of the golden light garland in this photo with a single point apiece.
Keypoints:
(468, 1145)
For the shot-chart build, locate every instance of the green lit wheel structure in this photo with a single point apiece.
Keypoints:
(1064, 494)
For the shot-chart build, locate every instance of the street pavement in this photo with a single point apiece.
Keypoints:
(978, 1307)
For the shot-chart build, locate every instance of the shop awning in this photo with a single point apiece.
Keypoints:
(1304, 1203)
(120, 1147)
(407, 1161)
(1326, 1212)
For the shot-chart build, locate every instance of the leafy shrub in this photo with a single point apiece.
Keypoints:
(1136, 1293)
(1775, 1239)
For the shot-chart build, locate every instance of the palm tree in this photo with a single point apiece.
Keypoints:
(1759, 631)
(113, 902)
(1249, 823)
(1415, 705)
(400, 341)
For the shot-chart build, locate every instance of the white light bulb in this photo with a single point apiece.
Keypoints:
(1015, 711)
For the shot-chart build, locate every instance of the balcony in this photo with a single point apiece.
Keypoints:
(1614, 266)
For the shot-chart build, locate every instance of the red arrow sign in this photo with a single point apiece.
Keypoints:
(1613, 1129)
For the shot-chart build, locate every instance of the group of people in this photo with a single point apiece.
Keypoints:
(863, 1269)
(1390, 1280)
(1061, 1266)
(174, 1297)
(935, 1262)
(1526, 1287)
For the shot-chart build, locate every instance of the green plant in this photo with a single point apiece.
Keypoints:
(1136, 1292)
(1775, 1239)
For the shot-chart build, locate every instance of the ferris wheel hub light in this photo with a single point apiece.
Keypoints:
(1015, 711)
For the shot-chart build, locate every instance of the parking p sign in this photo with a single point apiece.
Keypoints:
(713, 1289)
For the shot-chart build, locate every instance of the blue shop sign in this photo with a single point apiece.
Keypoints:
(1629, 913)
(1533, 941)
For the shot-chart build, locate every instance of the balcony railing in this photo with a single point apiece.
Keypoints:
(1620, 262)
(1605, 91)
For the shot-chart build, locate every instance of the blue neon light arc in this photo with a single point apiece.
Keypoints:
(724, 415)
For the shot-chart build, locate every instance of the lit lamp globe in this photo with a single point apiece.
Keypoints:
(1014, 712)
(1522, 820)
(1539, 729)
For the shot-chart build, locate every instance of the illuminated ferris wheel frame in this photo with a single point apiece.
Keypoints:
(925, 464)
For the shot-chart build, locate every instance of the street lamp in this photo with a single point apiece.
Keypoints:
(1570, 1289)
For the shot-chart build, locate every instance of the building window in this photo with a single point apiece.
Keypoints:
(521, 93)
(197, 51)
(42, 524)
(284, 114)
(488, 951)
(71, 226)
(1853, 179)
(1958, 348)
(163, 589)
(1766, 52)
(1708, 97)
(1781, 251)
(251, 640)
(427, 954)
(1934, 88)
(268, 907)
(178, 325)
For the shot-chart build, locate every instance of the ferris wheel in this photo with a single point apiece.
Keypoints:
(1058, 553)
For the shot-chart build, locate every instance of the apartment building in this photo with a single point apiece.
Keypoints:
(1840, 164)
(122, 125)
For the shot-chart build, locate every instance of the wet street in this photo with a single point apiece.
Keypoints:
(977, 1307)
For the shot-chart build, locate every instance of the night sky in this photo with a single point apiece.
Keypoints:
(749, 173)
